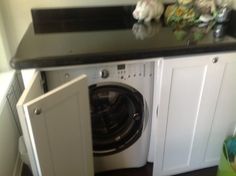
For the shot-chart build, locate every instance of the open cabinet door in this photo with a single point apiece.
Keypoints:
(57, 128)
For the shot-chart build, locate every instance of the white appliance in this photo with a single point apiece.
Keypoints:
(121, 97)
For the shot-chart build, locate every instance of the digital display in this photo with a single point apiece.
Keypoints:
(121, 67)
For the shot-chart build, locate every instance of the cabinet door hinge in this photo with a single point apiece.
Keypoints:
(44, 81)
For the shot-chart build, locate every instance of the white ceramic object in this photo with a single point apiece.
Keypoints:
(146, 10)
(206, 18)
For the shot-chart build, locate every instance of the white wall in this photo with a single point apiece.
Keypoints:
(4, 52)
(9, 142)
(9, 133)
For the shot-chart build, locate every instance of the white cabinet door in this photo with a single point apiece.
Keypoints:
(56, 127)
(224, 121)
(185, 113)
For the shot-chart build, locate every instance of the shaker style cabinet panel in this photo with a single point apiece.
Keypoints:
(189, 113)
(224, 121)
(56, 128)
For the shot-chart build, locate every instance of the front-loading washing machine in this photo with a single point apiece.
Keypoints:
(121, 97)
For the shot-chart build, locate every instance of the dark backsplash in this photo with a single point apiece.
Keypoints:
(82, 19)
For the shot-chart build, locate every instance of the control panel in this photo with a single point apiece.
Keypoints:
(125, 71)
(104, 72)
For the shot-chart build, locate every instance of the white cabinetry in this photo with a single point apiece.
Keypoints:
(56, 128)
(225, 111)
(196, 112)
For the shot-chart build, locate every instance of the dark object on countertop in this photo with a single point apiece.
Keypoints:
(231, 30)
(220, 30)
(223, 15)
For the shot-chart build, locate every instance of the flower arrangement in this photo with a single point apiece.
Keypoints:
(180, 15)
(190, 19)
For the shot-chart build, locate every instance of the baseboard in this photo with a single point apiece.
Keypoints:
(18, 166)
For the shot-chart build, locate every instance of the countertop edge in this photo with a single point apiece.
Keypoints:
(19, 63)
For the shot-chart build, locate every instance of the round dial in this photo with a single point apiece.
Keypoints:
(104, 73)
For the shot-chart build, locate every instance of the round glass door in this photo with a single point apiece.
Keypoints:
(117, 117)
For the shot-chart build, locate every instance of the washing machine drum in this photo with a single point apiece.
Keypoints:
(117, 117)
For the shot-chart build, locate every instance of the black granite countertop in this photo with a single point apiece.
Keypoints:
(59, 37)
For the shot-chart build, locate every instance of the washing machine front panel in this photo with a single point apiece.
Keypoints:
(135, 75)
(117, 113)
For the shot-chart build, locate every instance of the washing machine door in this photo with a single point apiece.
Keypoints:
(117, 117)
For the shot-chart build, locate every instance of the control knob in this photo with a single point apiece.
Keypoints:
(215, 60)
(104, 74)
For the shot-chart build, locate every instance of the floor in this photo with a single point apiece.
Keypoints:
(143, 171)
(26, 171)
